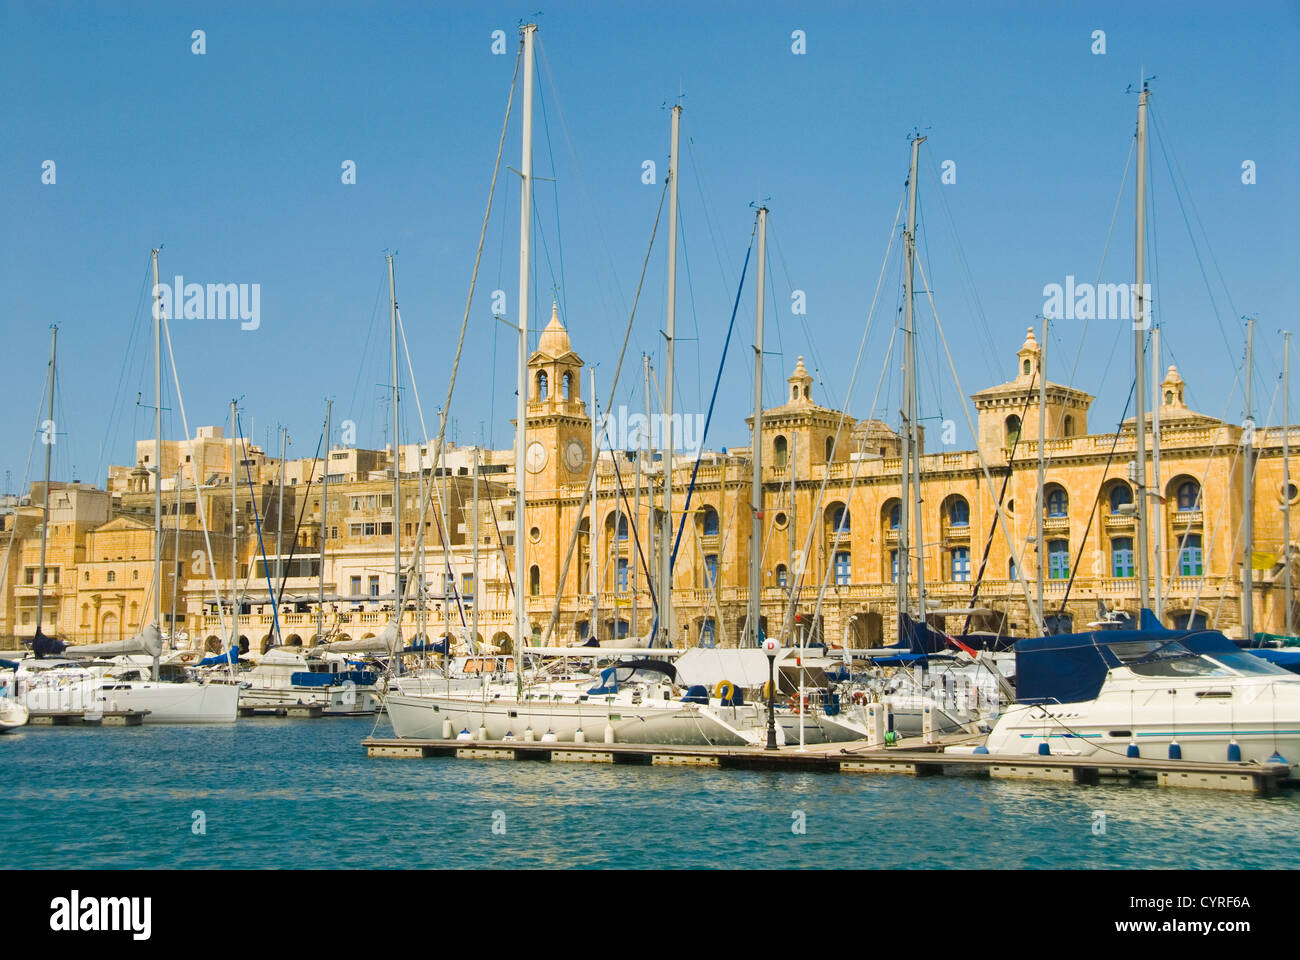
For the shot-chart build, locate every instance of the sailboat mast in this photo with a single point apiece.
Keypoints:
(1248, 498)
(324, 529)
(1286, 476)
(234, 531)
(911, 440)
(1158, 526)
(1042, 461)
(521, 395)
(49, 449)
(666, 538)
(397, 477)
(596, 582)
(1140, 322)
(653, 561)
(279, 531)
(176, 557)
(752, 630)
(478, 581)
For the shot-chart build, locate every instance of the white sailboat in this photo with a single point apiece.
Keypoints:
(122, 684)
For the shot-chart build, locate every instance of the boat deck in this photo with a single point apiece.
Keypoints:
(912, 756)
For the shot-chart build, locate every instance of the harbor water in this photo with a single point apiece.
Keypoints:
(273, 793)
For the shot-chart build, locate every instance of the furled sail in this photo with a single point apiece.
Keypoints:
(383, 642)
(148, 641)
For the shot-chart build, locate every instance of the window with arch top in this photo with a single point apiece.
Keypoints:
(780, 452)
(1058, 502)
(1189, 495)
(542, 385)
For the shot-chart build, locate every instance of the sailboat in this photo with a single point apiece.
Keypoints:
(1152, 691)
(113, 680)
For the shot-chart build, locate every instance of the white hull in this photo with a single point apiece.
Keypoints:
(12, 715)
(336, 701)
(674, 723)
(166, 702)
(1202, 717)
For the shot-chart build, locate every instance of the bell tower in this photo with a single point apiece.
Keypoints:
(559, 428)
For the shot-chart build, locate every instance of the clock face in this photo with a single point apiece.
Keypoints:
(535, 457)
(575, 455)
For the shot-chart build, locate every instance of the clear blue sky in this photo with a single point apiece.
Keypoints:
(232, 160)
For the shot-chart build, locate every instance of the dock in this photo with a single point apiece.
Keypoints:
(80, 718)
(300, 710)
(910, 757)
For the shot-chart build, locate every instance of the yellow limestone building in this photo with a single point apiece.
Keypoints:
(849, 540)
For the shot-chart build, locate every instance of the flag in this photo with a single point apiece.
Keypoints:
(1262, 561)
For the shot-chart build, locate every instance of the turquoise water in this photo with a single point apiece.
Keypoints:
(302, 793)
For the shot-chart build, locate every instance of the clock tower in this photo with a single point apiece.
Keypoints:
(558, 451)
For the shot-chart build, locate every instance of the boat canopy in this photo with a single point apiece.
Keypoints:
(1071, 667)
(232, 656)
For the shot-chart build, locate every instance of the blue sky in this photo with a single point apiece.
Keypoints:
(231, 160)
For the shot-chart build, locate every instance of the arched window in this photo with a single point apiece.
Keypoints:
(843, 568)
(1189, 557)
(840, 519)
(1169, 402)
(1189, 493)
(1026, 367)
(1120, 494)
(112, 576)
(1058, 502)
(895, 516)
(620, 575)
(1121, 557)
(622, 526)
(1012, 424)
(1058, 560)
(534, 580)
(782, 575)
(830, 449)
(566, 386)
(1067, 426)
(959, 512)
(710, 570)
(893, 566)
(708, 522)
(542, 384)
(780, 450)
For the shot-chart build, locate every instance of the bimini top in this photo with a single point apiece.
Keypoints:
(1071, 667)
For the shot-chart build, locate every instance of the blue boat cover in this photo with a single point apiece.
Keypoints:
(8, 664)
(218, 658)
(1286, 659)
(1071, 667)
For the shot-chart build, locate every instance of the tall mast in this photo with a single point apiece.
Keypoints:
(1286, 475)
(49, 449)
(234, 532)
(521, 395)
(1042, 460)
(1248, 498)
(398, 596)
(324, 529)
(911, 437)
(636, 530)
(1139, 353)
(594, 541)
(279, 532)
(652, 560)
(752, 631)
(176, 556)
(478, 585)
(1158, 526)
(666, 539)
